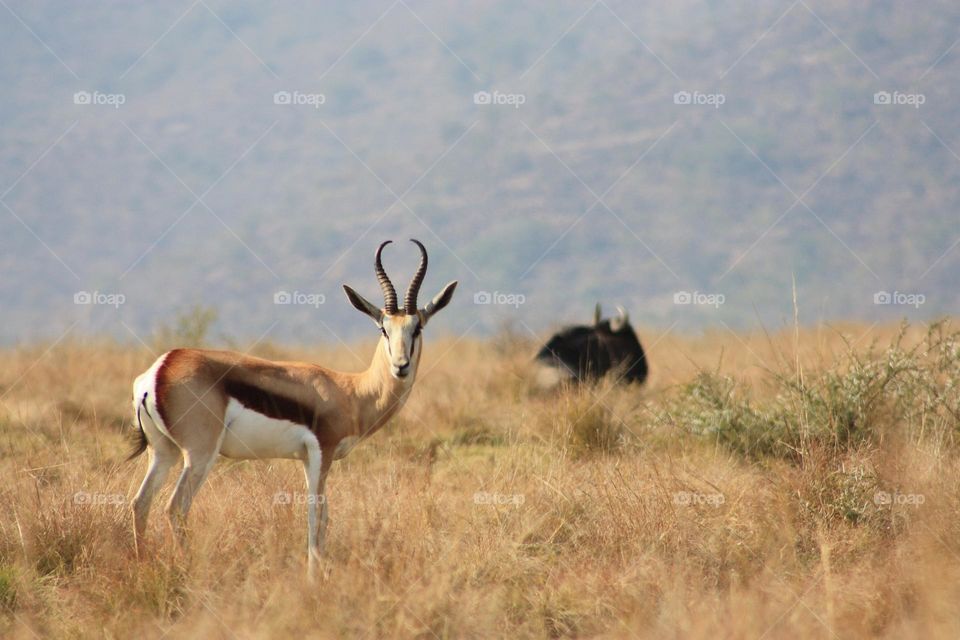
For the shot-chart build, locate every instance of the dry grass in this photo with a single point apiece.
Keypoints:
(741, 495)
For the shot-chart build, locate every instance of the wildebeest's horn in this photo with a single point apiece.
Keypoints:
(621, 320)
(389, 293)
(410, 300)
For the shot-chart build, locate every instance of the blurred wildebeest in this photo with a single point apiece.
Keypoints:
(582, 353)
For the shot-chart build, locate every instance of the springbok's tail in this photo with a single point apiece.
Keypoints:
(139, 439)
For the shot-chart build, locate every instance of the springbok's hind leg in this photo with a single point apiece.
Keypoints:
(198, 460)
(162, 456)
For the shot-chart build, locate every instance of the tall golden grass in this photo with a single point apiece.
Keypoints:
(800, 484)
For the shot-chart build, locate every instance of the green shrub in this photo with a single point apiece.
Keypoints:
(856, 401)
(190, 328)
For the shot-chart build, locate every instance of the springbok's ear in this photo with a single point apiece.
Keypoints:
(439, 301)
(363, 305)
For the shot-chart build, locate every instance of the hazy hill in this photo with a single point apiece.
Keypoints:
(295, 198)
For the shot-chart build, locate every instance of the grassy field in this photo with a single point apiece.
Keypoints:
(799, 484)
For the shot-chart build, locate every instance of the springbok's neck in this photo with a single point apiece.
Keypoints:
(379, 394)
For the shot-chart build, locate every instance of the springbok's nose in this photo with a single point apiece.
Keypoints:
(403, 368)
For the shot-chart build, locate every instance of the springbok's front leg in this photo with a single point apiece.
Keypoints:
(316, 464)
(311, 468)
(328, 459)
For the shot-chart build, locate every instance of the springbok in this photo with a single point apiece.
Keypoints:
(196, 404)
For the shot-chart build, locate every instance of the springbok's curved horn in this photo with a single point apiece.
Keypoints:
(389, 293)
(410, 300)
(596, 314)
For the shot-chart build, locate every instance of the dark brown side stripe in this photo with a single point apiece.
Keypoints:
(270, 404)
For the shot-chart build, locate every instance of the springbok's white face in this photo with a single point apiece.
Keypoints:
(401, 328)
(402, 340)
